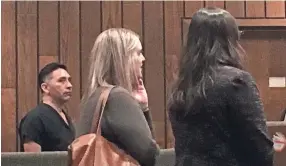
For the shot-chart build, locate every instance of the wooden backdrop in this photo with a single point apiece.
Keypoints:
(35, 33)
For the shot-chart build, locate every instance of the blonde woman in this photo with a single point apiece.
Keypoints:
(117, 59)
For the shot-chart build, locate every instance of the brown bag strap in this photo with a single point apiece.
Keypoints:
(99, 109)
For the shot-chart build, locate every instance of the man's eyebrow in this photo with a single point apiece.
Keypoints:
(68, 77)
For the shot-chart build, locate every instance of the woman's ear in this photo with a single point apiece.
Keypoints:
(44, 87)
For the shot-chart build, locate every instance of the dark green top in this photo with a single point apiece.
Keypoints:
(123, 123)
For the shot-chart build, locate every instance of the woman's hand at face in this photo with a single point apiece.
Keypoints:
(141, 96)
(279, 141)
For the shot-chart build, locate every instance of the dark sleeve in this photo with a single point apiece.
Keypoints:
(148, 118)
(249, 122)
(130, 128)
(30, 129)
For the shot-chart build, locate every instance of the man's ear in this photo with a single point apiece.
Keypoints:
(44, 87)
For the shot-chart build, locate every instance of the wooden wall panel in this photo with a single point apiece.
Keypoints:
(173, 44)
(277, 52)
(219, 4)
(132, 21)
(275, 9)
(90, 29)
(255, 9)
(35, 33)
(8, 44)
(192, 6)
(48, 28)
(111, 14)
(27, 56)
(236, 8)
(8, 120)
(154, 65)
(8, 84)
(261, 22)
(70, 50)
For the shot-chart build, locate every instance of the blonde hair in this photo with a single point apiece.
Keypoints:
(111, 60)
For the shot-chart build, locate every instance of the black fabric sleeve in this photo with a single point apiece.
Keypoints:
(130, 128)
(248, 121)
(30, 129)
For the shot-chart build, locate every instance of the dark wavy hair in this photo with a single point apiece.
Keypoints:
(212, 41)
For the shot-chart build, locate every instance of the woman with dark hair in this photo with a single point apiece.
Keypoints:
(215, 110)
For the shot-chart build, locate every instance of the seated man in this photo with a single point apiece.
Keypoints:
(48, 127)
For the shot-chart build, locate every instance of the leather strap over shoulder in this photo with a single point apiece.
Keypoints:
(100, 106)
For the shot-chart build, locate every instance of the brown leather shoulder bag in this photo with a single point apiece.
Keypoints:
(94, 150)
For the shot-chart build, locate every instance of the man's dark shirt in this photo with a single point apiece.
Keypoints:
(44, 126)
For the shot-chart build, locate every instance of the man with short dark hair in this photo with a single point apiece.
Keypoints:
(48, 127)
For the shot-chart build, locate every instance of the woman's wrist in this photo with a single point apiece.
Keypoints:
(144, 107)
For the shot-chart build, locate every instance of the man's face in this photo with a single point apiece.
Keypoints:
(58, 85)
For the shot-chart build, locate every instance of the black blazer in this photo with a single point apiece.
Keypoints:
(227, 128)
